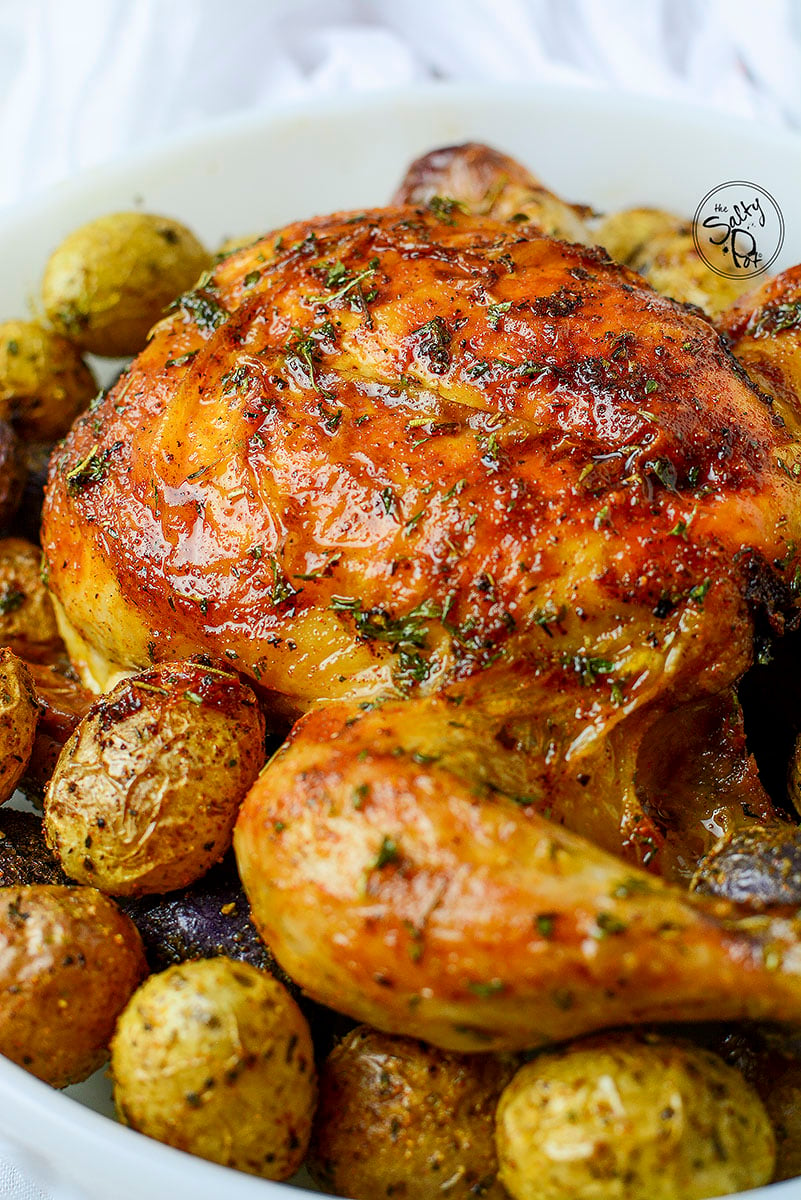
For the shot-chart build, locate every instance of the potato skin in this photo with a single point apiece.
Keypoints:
(660, 246)
(770, 1063)
(19, 712)
(627, 1116)
(110, 280)
(24, 856)
(27, 620)
(44, 382)
(214, 1057)
(69, 962)
(758, 864)
(399, 1117)
(147, 789)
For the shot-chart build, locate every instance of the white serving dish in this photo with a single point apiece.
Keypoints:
(253, 173)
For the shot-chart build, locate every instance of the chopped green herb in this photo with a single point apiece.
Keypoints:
(387, 853)
(485, 989)
(346, 287)
(360, 794)
(545, 923)
(774, 319)
(11, 599)
(608, 925)
(700, 590)
(207, 312)
(171, 362)
(496, 311)
(444, 207)
(281, 589)
(434, 343)
(590, 667)
(318, 574)
(91, 469)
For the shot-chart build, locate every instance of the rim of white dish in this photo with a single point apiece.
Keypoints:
(419, 96)
(144, 1157)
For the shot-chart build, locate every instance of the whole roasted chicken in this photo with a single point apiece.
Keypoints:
(500, 524)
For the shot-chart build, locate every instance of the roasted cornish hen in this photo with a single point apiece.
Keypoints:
(506, 521)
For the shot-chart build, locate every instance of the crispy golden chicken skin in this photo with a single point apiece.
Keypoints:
(396, 449)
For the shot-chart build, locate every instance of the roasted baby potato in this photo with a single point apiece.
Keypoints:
(110, 280)
(147, 789)
(27, 522)
(481, 180)
(208, 919)
(215, 1057)
(24, 854)
(44, 382)
(398, 1117)
(771, 1063)
(631, 1116)
(13, 474)
(19, 712)
(660, 246)
(27, 620)
(755, 865)
(625, 235)
(69, 962)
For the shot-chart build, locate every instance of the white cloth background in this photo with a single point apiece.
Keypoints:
(84, 81)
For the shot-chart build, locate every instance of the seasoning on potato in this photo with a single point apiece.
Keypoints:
(214, 1057)
(27, 620)
(44, 382)
(147, 789)
(69, 963)
(398, 1117)
(631, 1117)
(109, 281)
(19, 712)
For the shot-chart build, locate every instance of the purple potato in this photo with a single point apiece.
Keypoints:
(25, 857)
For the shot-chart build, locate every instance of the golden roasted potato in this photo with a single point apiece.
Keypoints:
(44, 382)
(625, 235)
(628, 1116)
(659, 246)
(19, 712)
(69, 962)
(109, 281)
(147, 789)
(478, 179)
(215, 1057)
(398, 1117)
(27, 620)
